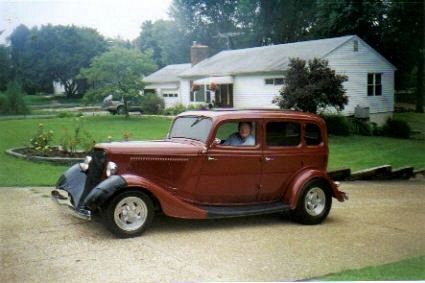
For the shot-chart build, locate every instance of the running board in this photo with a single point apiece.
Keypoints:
(244, 210)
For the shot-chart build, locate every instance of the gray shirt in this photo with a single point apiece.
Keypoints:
(236, 140)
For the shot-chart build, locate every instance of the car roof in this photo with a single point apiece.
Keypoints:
(223, 114)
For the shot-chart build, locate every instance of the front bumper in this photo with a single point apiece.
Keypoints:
(63, 198)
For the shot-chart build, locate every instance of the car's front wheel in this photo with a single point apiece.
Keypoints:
(129, 214)
(314, 203)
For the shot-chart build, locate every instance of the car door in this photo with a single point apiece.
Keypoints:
(282, 157)
(230, 174)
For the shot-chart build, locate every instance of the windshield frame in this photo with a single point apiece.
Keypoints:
(201, 117)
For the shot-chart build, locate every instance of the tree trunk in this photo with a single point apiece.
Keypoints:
(420, 85)
(71, 88)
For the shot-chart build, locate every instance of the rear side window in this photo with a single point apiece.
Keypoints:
(312, 135)
(283, 134)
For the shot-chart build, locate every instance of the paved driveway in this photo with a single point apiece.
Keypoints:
(382, 222)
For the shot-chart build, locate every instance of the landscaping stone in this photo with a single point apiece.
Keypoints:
(376, 173)
(340, 174)
(404, 173)
(420, 171)
(54, 160)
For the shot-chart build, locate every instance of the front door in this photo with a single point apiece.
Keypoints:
(224, 96)
(230, 174)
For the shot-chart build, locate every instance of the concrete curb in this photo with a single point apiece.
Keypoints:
(36, 158)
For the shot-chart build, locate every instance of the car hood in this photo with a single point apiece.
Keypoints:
(156, 147)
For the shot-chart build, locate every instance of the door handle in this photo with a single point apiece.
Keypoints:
(267, 158)
(209, 158)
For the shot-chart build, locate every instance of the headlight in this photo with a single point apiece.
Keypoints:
(84, 166)
(111, 168)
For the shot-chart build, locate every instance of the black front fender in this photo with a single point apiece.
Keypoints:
(103, 191)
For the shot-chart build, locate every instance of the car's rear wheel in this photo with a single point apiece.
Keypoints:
(314, 203)
(129, 214)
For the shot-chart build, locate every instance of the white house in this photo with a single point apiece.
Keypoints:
(252, 77)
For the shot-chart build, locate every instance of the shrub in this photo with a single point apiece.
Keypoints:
(396, 129)
(361, 127)
(175, 110)
(14, 103)
(152, 104)
(337, 125)
(40, 142)
(78, 139)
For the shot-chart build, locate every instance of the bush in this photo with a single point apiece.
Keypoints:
(396, 129)
(361, 127)
(338, 125)
(40, 142)
(175, 110)
(152, 104)
(78, 139)
(13, 101)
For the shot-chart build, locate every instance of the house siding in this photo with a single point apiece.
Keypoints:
(356, 65)
(250, 91)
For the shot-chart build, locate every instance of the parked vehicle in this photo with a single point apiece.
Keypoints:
(277, 165)
(117, 106)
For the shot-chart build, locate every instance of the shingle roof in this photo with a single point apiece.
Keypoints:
(263, 59)
(169, 73)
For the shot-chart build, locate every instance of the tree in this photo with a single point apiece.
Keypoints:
(166, 40)
(5, 67)
(283, 21)
(119, 72)
(365, 18)
(404, 38)
(313, 86)
(54, 53)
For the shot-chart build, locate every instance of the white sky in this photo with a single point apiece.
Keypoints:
(111, 18)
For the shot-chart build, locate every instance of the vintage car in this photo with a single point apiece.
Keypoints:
(206, 168)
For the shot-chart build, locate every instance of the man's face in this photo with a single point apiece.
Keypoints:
(244, 130)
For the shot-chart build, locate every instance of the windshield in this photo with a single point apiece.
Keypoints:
(191, 127)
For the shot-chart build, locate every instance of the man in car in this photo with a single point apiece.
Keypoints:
(243, 137)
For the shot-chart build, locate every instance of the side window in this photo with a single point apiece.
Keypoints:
(312, 135)
(283, 134)
(237, 133)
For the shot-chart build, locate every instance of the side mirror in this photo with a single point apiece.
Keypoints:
(215, 142)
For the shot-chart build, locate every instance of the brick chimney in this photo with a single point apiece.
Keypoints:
(198, 53)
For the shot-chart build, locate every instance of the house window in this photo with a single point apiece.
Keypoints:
(374, 84)
(197, 95)
(273, 81)
(169, 95)
(269, 81)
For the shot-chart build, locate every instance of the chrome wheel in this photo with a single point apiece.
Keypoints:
(130, 213)
(315, 201)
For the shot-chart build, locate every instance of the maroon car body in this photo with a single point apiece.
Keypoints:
(192, 174)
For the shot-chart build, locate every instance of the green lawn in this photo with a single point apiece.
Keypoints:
(409, 269)
(14, 133)
(360, 152)
(356, 152)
